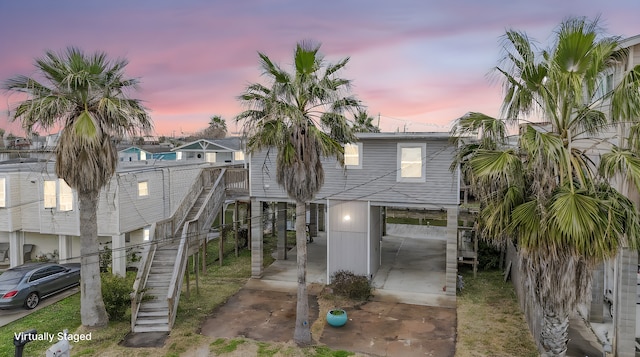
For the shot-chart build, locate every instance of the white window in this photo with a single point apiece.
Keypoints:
(143, 155)
(3, 192)
(65, 199)
(353, 155)
(49, 194)
(411, 162)
(178, 155)
(143, 188)
(210, 157)
(57, 194)
(604, 84)
(145, 233)
(238, 156)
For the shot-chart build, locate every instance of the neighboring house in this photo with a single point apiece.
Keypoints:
(18, 143)
(614, 312)
(145, 152)
(617, 283)
(404, 170)
(219, 151)
(38, 209)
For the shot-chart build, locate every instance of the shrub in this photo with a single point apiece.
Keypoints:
(488, 256)
(116, 293)
(350, 285)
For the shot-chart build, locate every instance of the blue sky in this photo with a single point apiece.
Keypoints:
(419, 65)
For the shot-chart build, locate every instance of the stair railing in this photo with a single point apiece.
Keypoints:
(148, 252)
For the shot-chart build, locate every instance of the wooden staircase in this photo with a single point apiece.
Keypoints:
(153, 314)
(159, 280)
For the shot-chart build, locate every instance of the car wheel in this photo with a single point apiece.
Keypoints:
(32, 301)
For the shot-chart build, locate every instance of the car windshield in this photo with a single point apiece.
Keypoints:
(11, 277)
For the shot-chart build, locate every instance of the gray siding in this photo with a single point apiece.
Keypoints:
(376, 181)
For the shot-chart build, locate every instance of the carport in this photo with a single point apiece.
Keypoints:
(412, 270)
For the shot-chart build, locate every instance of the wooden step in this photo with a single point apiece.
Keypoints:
(153, 306)
(158, 283)
(157, 313)
(152, 321)
(160, 269)
(152, 328)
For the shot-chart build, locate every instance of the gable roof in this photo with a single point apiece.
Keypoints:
(152, 149)
(213, 145)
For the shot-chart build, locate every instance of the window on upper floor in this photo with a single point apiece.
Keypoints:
(411, 162)
(57, 194)
(178, 155)
(49, 194)
(145, 233)
(210, 157)
(143, 155)
(238, 156)
(143, 188)
(3, 192)
(353, 156)
(604, 84)
(65, 196)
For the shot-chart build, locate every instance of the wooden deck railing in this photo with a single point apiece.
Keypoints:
(237, 180)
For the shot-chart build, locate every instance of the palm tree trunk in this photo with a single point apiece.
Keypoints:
(302, 333)
(554, 333)
(92, 310)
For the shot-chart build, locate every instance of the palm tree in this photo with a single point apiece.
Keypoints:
(301, 115)
(363, 123)
(217, 128)
(549, 194)
(85, 96)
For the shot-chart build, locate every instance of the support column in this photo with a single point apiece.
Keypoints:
(624, 318)
(256, 239)
(451, 275)
(321, 217)
(313, 220)
(384, 221)
(596, 309)
(15, 249)
(118, 255)
(64, 248)
(281, 229)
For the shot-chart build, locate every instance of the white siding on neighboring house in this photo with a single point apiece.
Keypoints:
(135, 210)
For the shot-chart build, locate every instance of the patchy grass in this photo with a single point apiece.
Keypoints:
(64, 314)
(490, 322)
(221, 345)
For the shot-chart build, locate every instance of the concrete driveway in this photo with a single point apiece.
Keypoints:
(8, 316)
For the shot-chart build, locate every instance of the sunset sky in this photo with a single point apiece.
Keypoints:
(416, 64)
